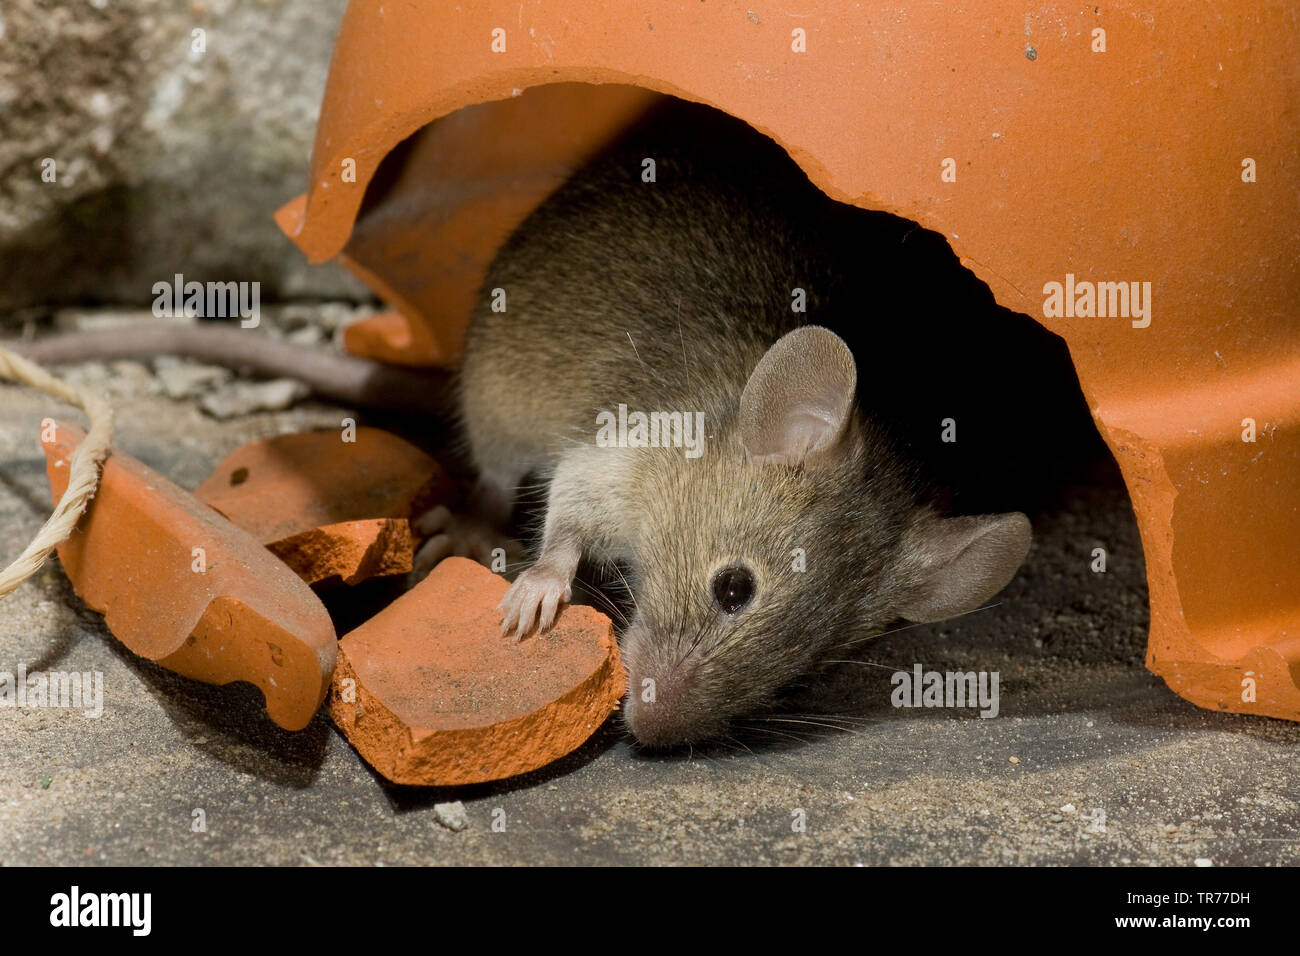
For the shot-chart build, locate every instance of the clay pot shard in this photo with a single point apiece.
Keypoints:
(179, 584)
(330, 508)
(430, 692)
(350, 551)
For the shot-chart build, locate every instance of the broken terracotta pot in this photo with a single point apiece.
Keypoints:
(330, 504)
(430, 692)
(1072, 145)
(179, 584)
(486, 193)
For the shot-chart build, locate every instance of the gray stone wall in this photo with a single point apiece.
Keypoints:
(166, 159)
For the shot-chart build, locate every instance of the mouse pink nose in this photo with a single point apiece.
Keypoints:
(663, 709)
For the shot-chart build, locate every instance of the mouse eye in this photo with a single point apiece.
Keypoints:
(733, 588)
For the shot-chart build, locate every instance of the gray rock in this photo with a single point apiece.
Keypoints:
(451, 815)
(307, 335)
(330, 316)
(244, 398)
(166, 159)
(180, 378)
(119, 380)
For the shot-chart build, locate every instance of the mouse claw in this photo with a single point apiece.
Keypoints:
(535, 596)
(508, 619)
(517, 616)
(550, 606)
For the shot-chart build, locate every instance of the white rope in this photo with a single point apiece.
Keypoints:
(83, 478)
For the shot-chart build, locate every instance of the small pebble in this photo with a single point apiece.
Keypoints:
(244, 398)
(451, 815)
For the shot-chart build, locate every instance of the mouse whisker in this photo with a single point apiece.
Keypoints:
(767, 719)
(847, 718)
(627, 587)
(659, 378)
(686, 368)
(908, 627)
(888, 667)
(774, 733)
(812, 723)
(740, 743)
(603, 601)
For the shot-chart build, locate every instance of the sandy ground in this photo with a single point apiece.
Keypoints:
(1090, 760)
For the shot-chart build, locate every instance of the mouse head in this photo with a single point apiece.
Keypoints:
(795, 537)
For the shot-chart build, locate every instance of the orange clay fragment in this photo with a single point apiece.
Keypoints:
(430, 692)
(352, 551)
(330, 508)
(179, 584)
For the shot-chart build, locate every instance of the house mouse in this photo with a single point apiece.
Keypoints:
(666, 278)
(674, 344)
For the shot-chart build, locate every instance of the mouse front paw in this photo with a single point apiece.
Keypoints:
(540, 588)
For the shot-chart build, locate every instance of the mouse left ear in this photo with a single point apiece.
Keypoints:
(959, 563)
(797, 407)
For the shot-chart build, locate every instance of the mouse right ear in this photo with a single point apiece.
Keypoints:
(797, 407)
(962, 562)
